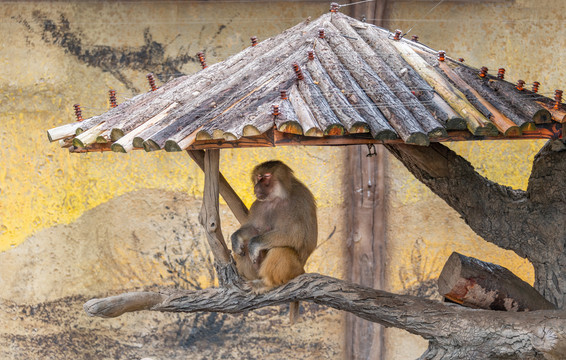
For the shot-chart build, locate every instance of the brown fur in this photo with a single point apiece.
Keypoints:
(281, 233)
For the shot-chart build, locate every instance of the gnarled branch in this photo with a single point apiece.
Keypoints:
(449, 328)
(476, 198)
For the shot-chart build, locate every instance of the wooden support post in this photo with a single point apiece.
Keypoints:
(366, 245)
(209, 218)
(366, 340)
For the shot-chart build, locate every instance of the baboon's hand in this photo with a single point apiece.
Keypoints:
(254, 248)
(238, 245)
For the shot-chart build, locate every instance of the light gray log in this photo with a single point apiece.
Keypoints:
(423, 91)
(325, 117)
(429, 124)
(304, 114)
(379, 127)
(288, 121)
(404, 123)
(348, 116)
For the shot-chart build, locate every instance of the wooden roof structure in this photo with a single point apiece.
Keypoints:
(330, 81)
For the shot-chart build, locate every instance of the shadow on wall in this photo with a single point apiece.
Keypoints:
(149, 57)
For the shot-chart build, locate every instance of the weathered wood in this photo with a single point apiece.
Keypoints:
(253, 122)
(263, 140)
(523, 100)
(325, 117)
(288, 121)
(277, 138)
(365, 340)
(96, 147)
(125, 143)
(63, 131)
(138, 117)
(223, 97)
(218, 95)
(347, 115)
(422, 90)
(390, 106)
(558, 115)
(379, 127)
(221, 117)
(88, 137)
(136, 106)
(481, 86)
(476, 122)
(455, 330)
(304, 114)
(428, 123)
(477, 284)
(184, 89)
(117, 305)
(505, 125)
(209, 218)
(239, 209)
(254, 112)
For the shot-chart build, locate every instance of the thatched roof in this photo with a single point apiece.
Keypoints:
(331, 81)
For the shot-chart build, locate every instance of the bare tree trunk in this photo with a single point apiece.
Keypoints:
(531, 223)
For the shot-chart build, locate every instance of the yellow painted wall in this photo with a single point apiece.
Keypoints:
(42, 185)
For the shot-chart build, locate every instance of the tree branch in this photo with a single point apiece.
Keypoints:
(232, 199)
(474, 197)
(449, 328)
(209, 218)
